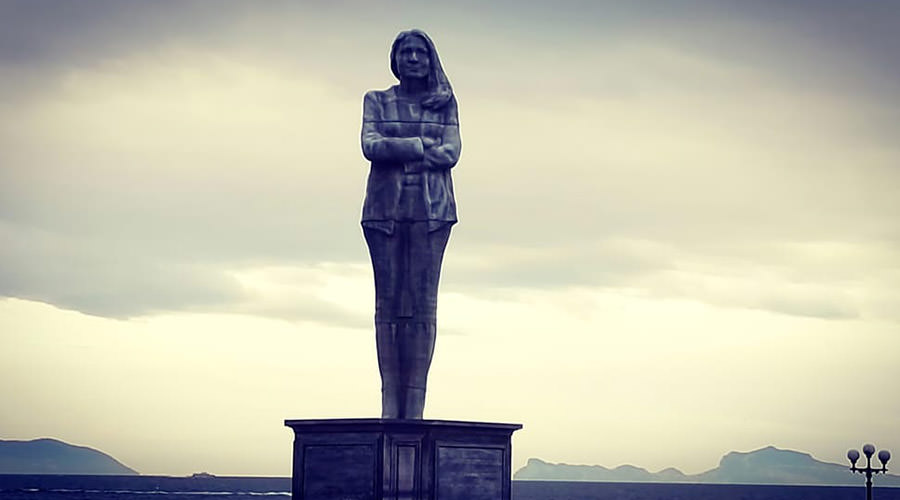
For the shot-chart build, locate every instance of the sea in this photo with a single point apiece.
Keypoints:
(60, 487)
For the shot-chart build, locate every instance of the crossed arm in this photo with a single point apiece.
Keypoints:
(415, 152)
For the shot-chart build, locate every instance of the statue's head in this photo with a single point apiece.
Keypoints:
(413, 56)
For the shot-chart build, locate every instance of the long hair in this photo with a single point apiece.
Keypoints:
(440, 91)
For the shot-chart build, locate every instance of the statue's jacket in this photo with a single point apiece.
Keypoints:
(408, 143)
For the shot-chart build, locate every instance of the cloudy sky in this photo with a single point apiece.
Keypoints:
(678, 226)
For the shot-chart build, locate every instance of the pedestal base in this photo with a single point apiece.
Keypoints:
(376, 459)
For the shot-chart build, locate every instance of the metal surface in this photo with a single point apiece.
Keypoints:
(410, 133)
(380, 459)
(883, 456)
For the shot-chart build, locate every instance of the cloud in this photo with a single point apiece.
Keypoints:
(94, 277)
(326, 293)
(203, 151)
(129, 191)
(808, 280)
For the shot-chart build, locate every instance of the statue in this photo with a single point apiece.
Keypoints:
(410, 133)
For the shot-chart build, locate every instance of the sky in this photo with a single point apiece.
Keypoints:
(678, 228)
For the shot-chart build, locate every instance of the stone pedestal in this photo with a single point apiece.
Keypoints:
(379, 459)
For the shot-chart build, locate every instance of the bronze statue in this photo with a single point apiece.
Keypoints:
(410, 133)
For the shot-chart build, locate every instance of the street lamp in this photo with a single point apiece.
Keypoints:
(868, 451)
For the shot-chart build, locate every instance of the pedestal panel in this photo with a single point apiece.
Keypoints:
(376, 459)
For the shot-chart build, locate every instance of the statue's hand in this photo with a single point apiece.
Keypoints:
(439, 157)
(430, 142)
(435, 157)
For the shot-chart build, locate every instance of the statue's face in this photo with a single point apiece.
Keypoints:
(413, 59)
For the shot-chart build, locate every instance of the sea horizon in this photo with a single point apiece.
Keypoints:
(140, 487)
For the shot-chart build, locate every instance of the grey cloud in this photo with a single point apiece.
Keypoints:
(241, 235)
(544, 187)
(306, 308)
(603, 263)
(811, 307)
(43, 32)
(324, 37)
(127, 251)
(97, 278)
(799, 282)
(861, 32)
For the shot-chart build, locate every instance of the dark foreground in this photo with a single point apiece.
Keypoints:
(559, 490)
(39, 487)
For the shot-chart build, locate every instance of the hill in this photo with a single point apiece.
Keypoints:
(768, 465)
(50, 456)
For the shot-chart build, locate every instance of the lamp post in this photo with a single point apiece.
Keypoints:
(868, 451)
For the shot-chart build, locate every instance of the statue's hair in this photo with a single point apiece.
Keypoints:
(438, 85)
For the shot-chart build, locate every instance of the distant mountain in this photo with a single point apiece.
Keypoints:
(774, 466)
(768, 465)
(537, 469)
(49, 456)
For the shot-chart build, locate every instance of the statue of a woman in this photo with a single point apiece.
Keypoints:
(410, 133)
